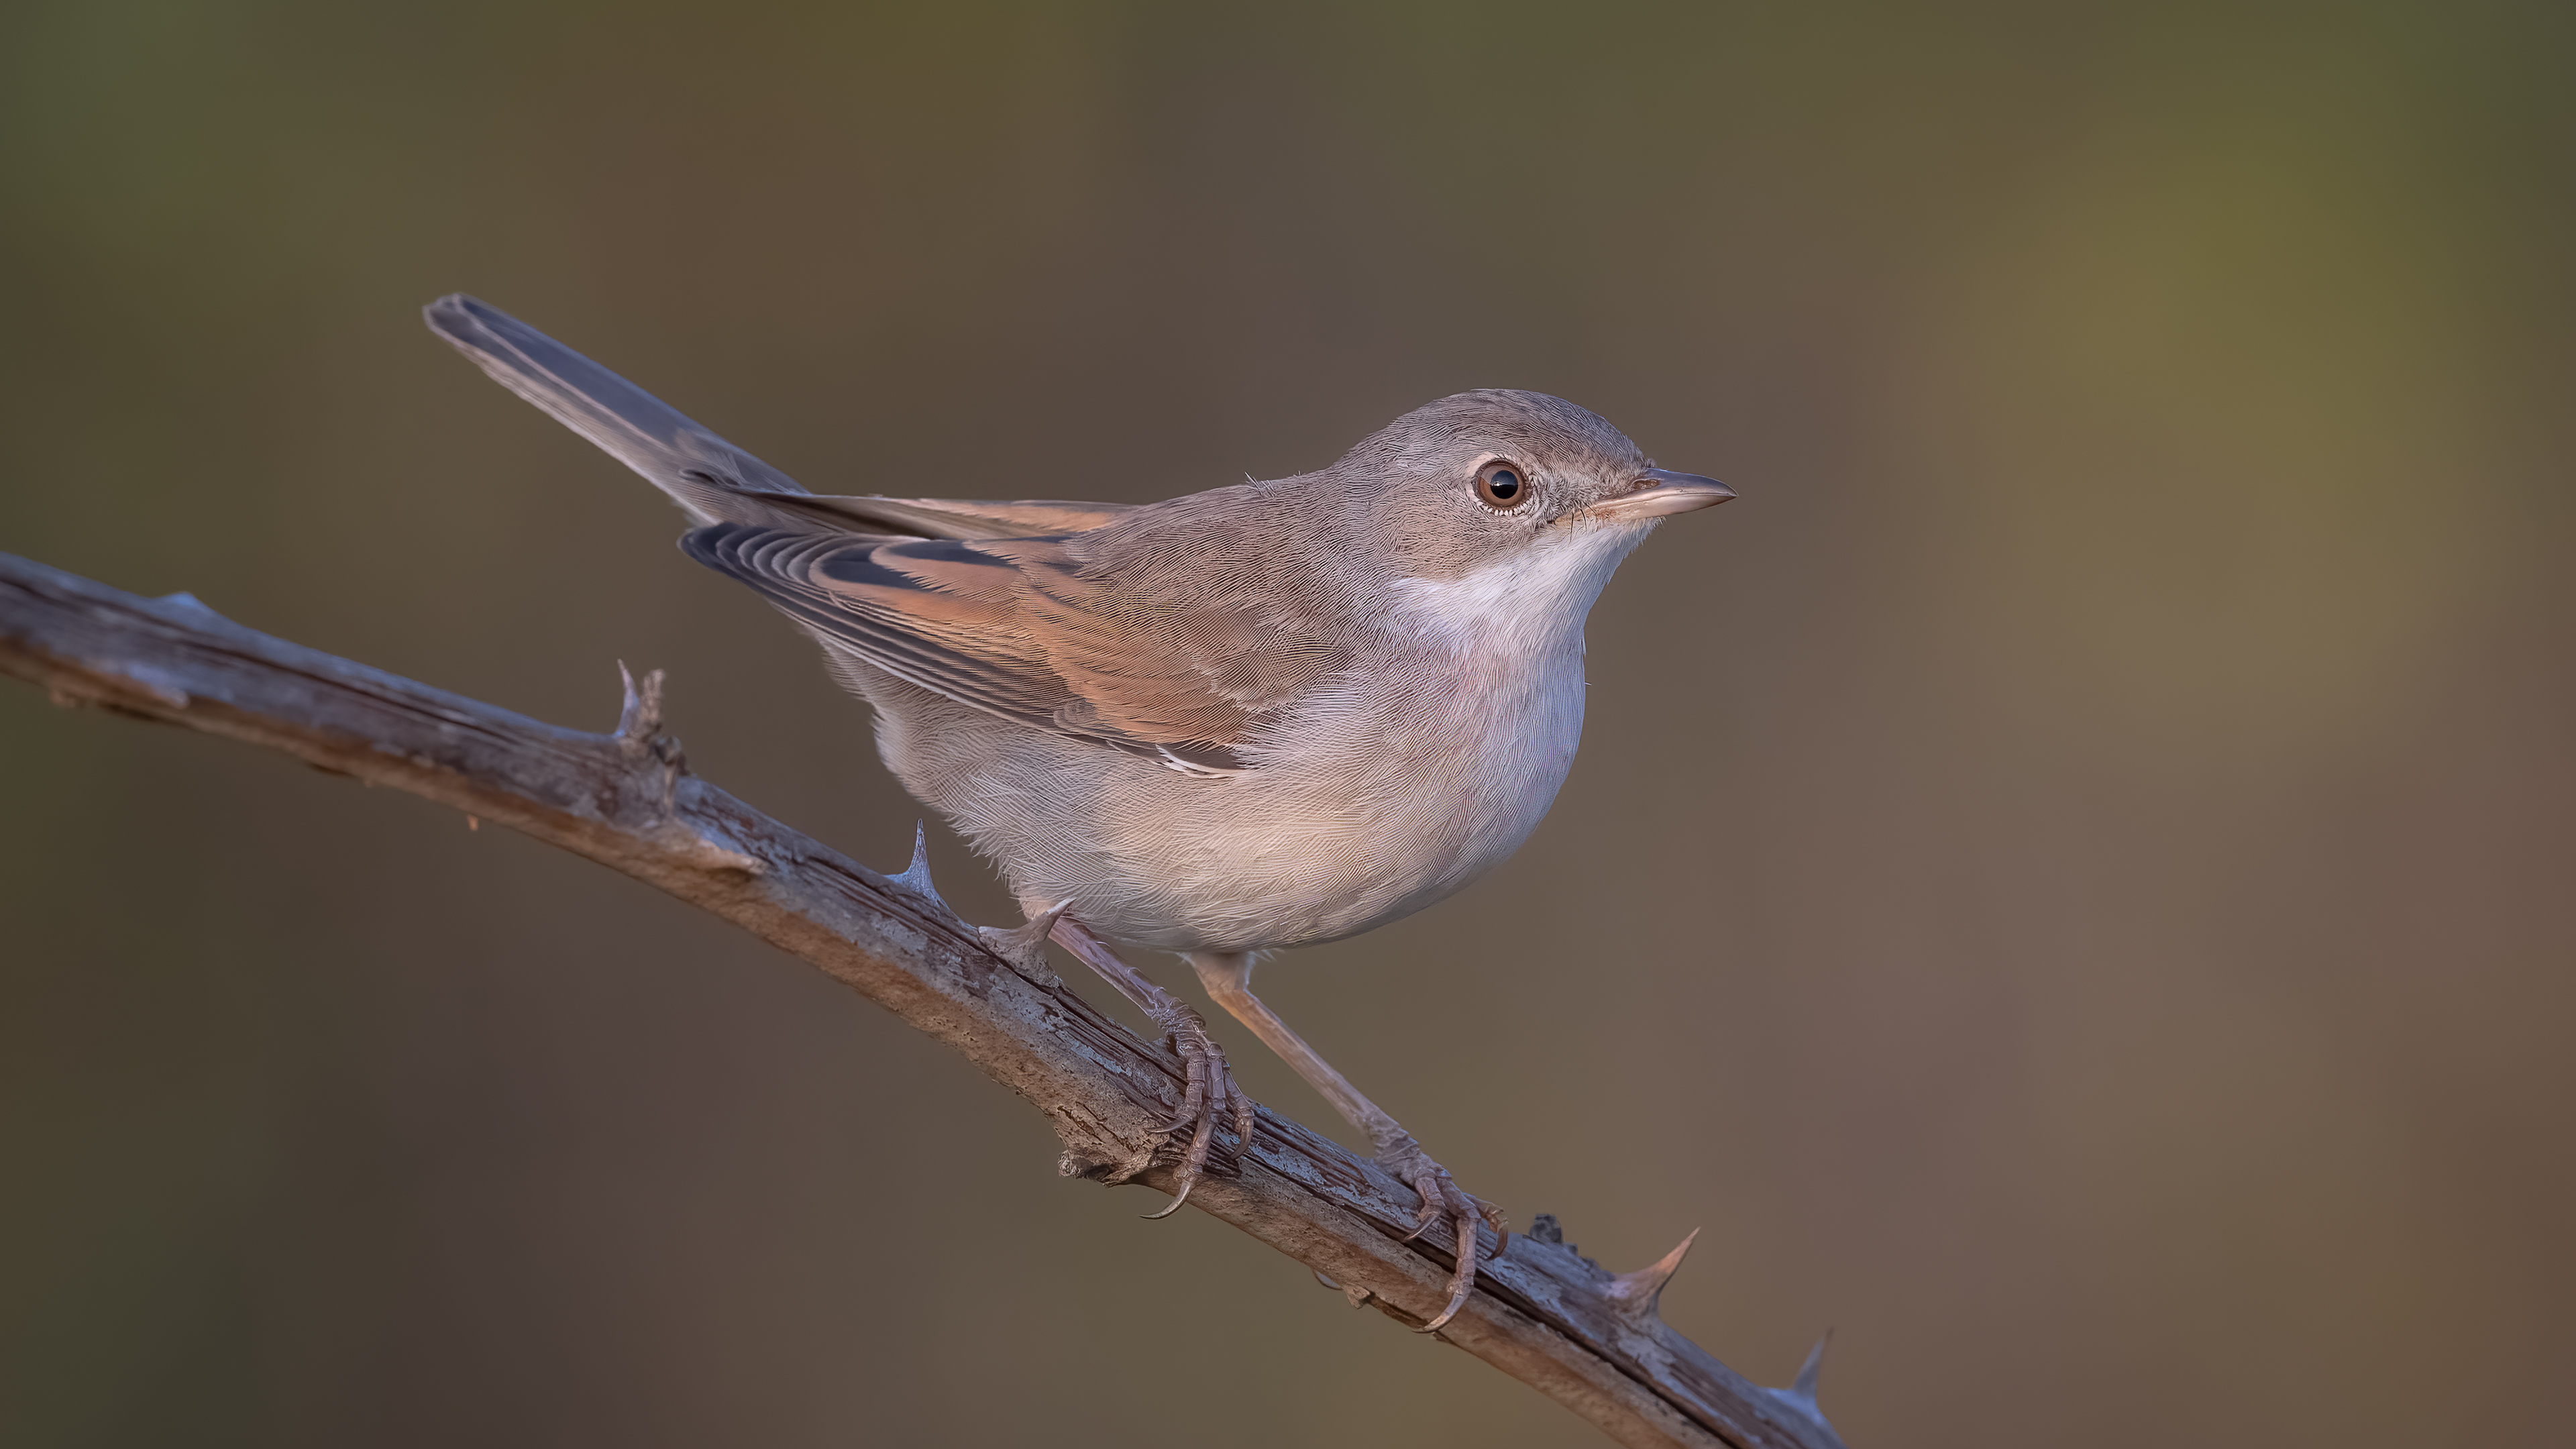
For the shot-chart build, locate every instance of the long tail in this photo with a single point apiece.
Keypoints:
(712, 480)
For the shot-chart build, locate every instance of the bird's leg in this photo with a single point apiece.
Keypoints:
(1228, 979)
(1211, 1092)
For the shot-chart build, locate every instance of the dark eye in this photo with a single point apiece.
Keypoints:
(1501, 485)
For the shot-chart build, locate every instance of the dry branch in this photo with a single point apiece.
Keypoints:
(1587, 1339)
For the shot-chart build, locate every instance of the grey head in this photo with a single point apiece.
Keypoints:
(1498, 499)
(1481, 475)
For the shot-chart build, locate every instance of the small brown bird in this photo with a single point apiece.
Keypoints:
(1267, 715)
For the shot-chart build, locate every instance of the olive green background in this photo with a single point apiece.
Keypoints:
(2068, 881)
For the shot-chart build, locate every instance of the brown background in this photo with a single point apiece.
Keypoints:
(2068, 881)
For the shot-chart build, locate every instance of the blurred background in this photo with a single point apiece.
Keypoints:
(2068, 882)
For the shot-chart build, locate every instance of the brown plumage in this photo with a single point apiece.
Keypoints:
(1054, 633)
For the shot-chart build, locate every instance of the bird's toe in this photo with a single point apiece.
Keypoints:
(1444, 1201)
(1209, 1096)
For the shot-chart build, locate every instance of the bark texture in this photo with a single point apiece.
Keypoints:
(1584, 1337)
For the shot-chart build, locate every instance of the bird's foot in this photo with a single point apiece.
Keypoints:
(1442, 1198)
(1211, 1094)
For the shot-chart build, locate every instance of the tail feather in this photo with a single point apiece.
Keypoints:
(708, 477)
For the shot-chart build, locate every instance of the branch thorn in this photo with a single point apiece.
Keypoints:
(917, 874)
(1800, 1397)
(1805, 1386)
(639, 715)
(1024, 946)
(193, 607)
(1637, 1294)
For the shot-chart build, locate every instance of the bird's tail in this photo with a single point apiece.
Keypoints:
(712, 480)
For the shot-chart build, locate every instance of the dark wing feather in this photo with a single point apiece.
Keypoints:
(1014, 627)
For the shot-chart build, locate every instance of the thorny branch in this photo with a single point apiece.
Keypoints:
(1584, 1337)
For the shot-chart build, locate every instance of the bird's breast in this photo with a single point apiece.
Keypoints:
(1399, 787)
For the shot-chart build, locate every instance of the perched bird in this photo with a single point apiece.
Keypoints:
(1266, 715)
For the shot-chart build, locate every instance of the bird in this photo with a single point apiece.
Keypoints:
(1267, 715)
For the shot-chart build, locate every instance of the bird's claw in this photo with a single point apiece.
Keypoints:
(1444, 1200)
(1209, 1090)
(1210, 1094)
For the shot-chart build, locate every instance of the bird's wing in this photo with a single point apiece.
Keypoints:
(981, 601)
(711, 479)
(1020, 629)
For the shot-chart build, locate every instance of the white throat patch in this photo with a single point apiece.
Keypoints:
(1531, 603)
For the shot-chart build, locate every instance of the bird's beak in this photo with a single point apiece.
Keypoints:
(1659, 492)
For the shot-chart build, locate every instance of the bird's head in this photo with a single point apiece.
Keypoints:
(1511, 496)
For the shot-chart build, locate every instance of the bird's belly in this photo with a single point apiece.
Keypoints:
(1367, 819)
(1269, 874)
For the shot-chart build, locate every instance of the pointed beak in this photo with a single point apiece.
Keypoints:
(1659, 492)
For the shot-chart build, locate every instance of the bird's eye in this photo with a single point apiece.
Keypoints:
(1501, 485)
